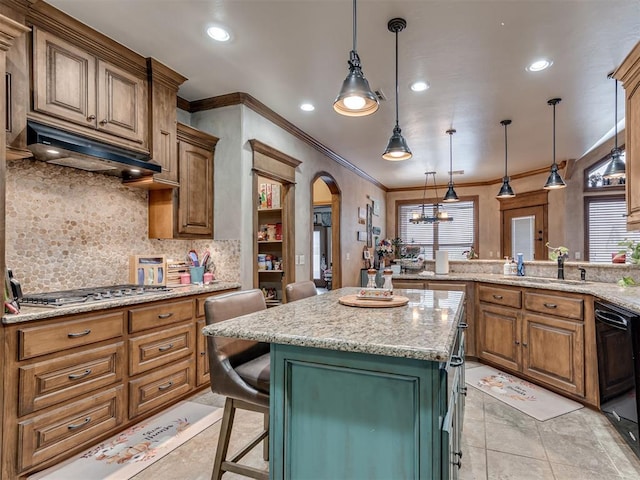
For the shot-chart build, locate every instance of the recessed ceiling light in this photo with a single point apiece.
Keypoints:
(307, 107)
(539, 65)
(219, 34)
(419, 86)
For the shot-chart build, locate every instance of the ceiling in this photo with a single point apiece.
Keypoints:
(473, 53)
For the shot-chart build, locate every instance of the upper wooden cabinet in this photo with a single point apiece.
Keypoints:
(81, 92)
(629, 75)
(186, 211)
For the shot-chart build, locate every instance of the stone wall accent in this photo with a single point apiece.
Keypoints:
(68, 228)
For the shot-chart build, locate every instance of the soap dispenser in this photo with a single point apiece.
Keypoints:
(520, 265)
(506, 268)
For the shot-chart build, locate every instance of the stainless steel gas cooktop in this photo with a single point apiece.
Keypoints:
(89, 295)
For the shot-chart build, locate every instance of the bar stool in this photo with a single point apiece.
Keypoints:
(299, 290)
(240, 370)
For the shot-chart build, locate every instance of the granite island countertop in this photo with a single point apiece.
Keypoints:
(626, 297)
(423, 329)
(29, 313)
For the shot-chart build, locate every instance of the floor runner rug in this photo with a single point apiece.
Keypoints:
(531, 399)
(131, 451)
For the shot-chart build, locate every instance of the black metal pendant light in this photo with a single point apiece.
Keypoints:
(451, 195)
(616, 167)
(554, 181)
(355, 98)
(505, 191)
(397, 148)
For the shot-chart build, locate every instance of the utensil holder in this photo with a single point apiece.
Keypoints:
(197, 274)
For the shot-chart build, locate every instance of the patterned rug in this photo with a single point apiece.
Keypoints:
(131, 451)
(531, 399)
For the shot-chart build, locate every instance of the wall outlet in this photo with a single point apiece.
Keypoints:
(490, 253)
(577, 255)
(301, 259)
(348, 256)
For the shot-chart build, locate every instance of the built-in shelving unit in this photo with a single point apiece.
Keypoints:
(273, 226)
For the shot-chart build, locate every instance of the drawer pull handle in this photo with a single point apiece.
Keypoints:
(551, 305)
(165, 348)
(78, 425)
(164, 387)
(165, 315)
(498, 297)
(76, 376)
(79, 334)
(463, 325)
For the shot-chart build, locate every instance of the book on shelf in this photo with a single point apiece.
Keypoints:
(275, 196)
(269, 195)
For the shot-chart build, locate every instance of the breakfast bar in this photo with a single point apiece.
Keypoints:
(362, 392)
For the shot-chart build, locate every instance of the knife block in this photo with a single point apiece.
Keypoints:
(148, 270)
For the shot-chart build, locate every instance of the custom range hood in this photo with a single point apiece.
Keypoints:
(56, 146)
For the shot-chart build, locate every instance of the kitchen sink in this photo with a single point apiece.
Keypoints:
(556, 281)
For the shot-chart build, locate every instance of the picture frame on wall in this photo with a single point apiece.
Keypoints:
(369, 222)
(362, 236)
(362, 215)
(376, 230)
(376, 207)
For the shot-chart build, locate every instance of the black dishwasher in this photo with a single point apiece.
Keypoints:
(618, 345)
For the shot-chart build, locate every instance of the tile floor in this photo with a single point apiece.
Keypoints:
(499, 443)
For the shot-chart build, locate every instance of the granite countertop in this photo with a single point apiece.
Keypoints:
(424, 329)
(29, 313)
(626, 297)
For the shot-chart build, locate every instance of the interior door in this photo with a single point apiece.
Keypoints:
(536, 216)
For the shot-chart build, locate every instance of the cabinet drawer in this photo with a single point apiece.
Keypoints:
(160, 387)
(39, 340)
(58, 431)
(54, 381)
(567, 307)
(500, 296)
(155, 349)
(160, 314)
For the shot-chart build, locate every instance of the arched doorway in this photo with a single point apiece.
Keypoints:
(325, 235)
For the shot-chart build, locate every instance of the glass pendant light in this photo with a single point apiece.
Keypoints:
(505, 191)
(616, 167)
(451, 195)
(554, 181)
(397, 148)
(355, 98)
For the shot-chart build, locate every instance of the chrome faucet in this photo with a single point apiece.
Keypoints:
(561, 267)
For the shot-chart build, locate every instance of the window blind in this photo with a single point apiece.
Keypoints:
(455, 236)
(606, 226)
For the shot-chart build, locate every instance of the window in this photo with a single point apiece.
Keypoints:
(593, 180)
(605, 226)
(455, 237)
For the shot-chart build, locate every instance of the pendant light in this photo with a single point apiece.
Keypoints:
(451, 195)
(616, 167)
(440, 215)
(355, 98)
(555, 180)
(505, 191)
(397, 148)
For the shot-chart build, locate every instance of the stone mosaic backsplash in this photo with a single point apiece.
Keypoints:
(67, 228)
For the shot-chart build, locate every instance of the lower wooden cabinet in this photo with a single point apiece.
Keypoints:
(74, 380)
(76, 423)
(539, 335)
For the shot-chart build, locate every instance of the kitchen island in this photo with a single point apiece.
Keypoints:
(362, 392)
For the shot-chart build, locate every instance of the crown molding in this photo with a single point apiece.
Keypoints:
(241, 98)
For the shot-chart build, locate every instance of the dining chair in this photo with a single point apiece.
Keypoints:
(240, 370)
(299, 290)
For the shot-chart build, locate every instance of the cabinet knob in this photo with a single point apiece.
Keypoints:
(517, 342)
(524, 344)
(103, 122)
(91, 118)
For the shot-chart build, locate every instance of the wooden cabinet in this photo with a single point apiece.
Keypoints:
(273, 225)
(186, 211)
(629, 75)
(80, 90)
(72, 381)
(202, 351)
(538, 334)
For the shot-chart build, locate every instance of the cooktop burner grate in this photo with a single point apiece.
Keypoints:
(91, 294)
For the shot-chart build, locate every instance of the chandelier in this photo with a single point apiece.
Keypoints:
(438, 215)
